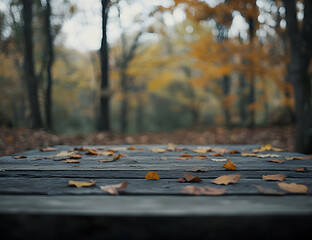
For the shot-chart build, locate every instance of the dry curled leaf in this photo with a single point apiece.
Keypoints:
(303, 169)
(107, 153)
(249, 154)
(219, 159)
(229, 165)
(171, 147)
(117, 157)
(158, 150)
(202, 150)
(198, 169)
(194, 190)
(277, 161)
(115, 189)
(268, 191)
(226, 179)
(47, 149)
(152, 176)
(293, 187)
(294, 158)
(216, 154)
(274, 177)
(20, 156)
(106, 160)
(64, 154)
(201, 157)
(75, 156)
(81, 149)
(268, 155)
(186, 155)
(267, 147)
(234, 151)
(80, 184)
(131, 148)
(70, 161)
(189, 178)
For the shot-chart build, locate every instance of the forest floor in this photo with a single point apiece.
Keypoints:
(15, 140)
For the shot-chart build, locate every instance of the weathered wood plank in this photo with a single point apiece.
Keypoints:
(59, 186)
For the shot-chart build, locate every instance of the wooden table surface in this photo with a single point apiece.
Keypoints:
(37, 201)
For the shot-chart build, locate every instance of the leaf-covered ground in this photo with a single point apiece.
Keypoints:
(21, 139)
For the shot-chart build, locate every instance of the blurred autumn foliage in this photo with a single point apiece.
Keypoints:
(184, 65)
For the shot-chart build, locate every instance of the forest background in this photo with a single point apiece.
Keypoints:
(222, 71)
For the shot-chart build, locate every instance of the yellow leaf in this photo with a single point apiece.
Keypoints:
(158, 150)
(229, 165)
(249, 155)
(80, 184)
(293, 187)
(152, 176)
(226, 179)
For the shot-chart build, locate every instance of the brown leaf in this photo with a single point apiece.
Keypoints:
(189, 178)
(277, 161)
(186, 155)
(118, 156)
(234, 151)
(216, 154)
(80, 184)
(202, 150)
(131, 148)
(47, 149)
(171, 147)
(274, 177)
(152, 176)
(158, 150)
(268, 147)
(164, 158)
(20, 156)
(116, 188)
(194, 190)
(268, 191)
(227, 179)
(201, 157)
(293, 158)
(249, 154)
(293, 187)
(76, 156)
(107, 153)
(229, 165)
(303, 169)
(198, 169)
(70, 161)
(106, 160)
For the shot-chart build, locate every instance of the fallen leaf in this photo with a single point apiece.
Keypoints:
(106, 160)
(249, 154)
(277, 161)
(216, 154)
(234, 151)
(268, 147)
(131, 148)
(117, 157)
(268, 191)
(171, 147)
(107, 153)
(219, 159)
(158, 150)
(274, 177)
(268, 155)
(293, 187)
(202, 150)
(189, 178)
(229, 165)
(201, 157)
(194, 190)
(293, 158)
(164, 158)
(80, 184)
(20, 156)
(40, 158)
(116, 188)
(220, 150)
(198, 169)
(64, 154)
(303, 169)
(70, 161)
(119, 149)
(47, 149)
(226, 179)
(152, 176)
(186, 155)
(76, 156)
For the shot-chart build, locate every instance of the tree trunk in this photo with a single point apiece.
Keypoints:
(242, 100)
(300, 57)
(31, 81)
(104, 123)
(226, 91)
(48, 96)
